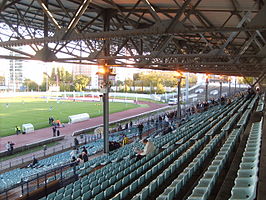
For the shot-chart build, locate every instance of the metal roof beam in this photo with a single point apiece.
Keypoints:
(49, 14)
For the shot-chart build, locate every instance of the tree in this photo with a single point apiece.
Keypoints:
(59, 77)
(81, 81)
(246, 80)
(2, 80)
(30, 85)
(160, 88)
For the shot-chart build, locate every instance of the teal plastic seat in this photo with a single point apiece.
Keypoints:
(96, 190)
(124, 193)
(67, 197)
(67, 192)
(144, 193)
(86, 195)
(246, 193)
(116, 197)
(85, 189)
(108, 192)
(199, 193)
(99, 196)
(104, 184)
(125, 180)
(51, 196)
(133, 186)
(152, 186)
(59, 196)
(171, 194)
(76, 194)
(117, 185)
(247, 172)
(93, 184)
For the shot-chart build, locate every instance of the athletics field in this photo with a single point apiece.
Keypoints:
(17, 111)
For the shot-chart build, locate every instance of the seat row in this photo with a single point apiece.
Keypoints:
(96, 190)
(260, 106)
(231, 122)
(174, 188)
(205, 185)
(246, 182)
(244, 118)
(176, 161)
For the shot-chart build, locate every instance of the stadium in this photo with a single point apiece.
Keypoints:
(188, 125)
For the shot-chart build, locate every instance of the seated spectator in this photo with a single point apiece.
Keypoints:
(148, 148)
(84, 150)
(84, 157)
(125, 140)
(34, 162)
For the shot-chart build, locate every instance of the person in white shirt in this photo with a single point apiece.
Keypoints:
(149, 148)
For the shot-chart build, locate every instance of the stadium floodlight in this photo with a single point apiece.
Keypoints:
(179, 76)
(229, 85)
(207, 76)
(104, 73)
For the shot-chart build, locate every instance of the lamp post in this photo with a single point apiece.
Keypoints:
(235, 84)
(207, 84)
(229, 89)
(221, 82)
(179, 77)
(105, 72)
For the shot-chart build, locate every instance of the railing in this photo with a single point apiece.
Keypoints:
(41, 180)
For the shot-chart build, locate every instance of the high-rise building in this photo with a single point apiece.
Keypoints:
(15, 77)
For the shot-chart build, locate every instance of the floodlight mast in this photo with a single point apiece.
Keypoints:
(221, 88)
(105, 86)
(207, 84)
(178, 76)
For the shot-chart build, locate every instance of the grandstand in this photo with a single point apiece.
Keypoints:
(213, 153)
(189, 162)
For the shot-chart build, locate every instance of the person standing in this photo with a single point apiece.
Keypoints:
(10, 147)
(54, 131)
(17, 129)
(76, 143)
(140, 127)
(58, 132)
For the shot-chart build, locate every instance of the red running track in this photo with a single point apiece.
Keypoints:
(41, 134)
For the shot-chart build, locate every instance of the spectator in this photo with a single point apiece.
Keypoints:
(84, 150)
(140, 127)
(18, 130)
(58, 132)
(125, 140)
(34, 162)
(149, 148)
(10, 147)
(74, 152)
(76, 143)
(54, 131)
(84, 157)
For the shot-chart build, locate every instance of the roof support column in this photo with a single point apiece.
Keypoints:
(106, 51)
(45, 23)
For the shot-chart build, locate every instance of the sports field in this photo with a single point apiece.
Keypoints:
(18, 111)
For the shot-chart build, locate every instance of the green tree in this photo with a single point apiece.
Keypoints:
(246, 80)
(2, 80)
(30, 85)
(81, 81)
(160, 88)
(59, 77)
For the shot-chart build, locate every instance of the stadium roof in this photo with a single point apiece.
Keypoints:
(206, 36)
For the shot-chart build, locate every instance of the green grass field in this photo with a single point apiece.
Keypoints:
(18, 111)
